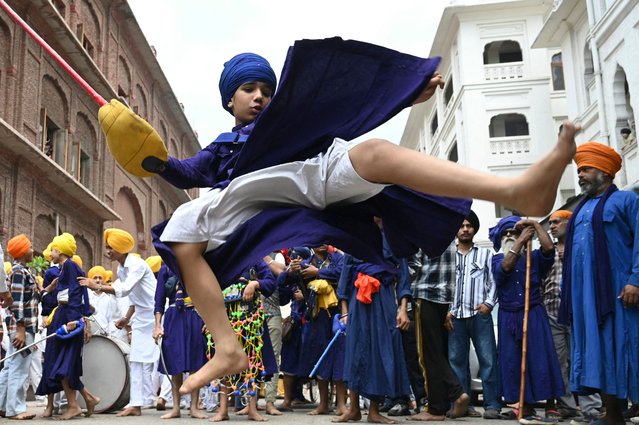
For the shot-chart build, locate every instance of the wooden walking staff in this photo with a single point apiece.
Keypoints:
(135, 145)
(524, 340)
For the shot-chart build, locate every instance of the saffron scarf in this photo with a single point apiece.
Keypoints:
(604, 296)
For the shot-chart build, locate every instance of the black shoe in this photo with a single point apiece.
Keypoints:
(399, 410)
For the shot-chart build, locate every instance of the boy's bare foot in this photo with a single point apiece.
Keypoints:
(253, 415)
(219, 417)
(223, 363)
(348, 416)
(22, 416)
(130, 411)
(160, 404)
(243, 411)
(379, 419)
(425, 417)
(198, 414)
(339, 411)
(319, 410)
(272, 410)
(48, 412)
(71, 412)
(173, 413)
(534, 192)
(91, 402)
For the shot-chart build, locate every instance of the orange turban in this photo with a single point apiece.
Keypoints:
(18, 246)
(564, 214)
(77, 259)
(97, 271)
(154, 262)
(65, 243)
(108, 276)
(599, 156)
(120, 240)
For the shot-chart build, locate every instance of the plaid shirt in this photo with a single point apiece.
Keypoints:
(25, 300)
(434, 278)
(551, 287)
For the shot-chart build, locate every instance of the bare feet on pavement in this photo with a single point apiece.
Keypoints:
(223, 363)
(425, 417)
(130, 411)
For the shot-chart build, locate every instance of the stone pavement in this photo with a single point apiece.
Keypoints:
(298, 417)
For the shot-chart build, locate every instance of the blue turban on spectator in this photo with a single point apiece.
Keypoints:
(495, 233)
(244, 68)
(300, 252)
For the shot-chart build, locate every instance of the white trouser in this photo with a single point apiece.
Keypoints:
(141, 393)
(12, 378)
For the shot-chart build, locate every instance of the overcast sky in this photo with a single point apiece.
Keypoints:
(193, 39)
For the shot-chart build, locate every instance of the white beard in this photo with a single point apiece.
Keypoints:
(507, 245)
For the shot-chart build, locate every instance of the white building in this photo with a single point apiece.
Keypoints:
(501, 108)
(600, 43)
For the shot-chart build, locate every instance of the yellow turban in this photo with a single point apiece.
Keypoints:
(599, 156)
(564, 214)
(18, 246)
(154, 262)
(7, 267)
(108, 276)
(65, 243)
(40, 280)
(47, 252)
(136, 254)
(97, 271)
(120, 240)
(77, 259)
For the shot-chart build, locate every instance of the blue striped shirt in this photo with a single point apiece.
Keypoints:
(474, 282)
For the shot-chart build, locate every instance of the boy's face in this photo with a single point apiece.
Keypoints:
(249, 100)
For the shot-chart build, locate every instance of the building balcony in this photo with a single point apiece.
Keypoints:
(504, 71)
(507, 146)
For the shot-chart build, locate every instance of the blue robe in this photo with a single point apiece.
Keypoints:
(329, 88)
(66, 353)
(606, 358)
(374, 364)
(184, 344)
(291, 353)
(543, 373)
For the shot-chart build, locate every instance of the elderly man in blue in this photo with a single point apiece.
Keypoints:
(543, 373)
(601, 273)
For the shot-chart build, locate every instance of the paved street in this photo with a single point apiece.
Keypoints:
(298, 417)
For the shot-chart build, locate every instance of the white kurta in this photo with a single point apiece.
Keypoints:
(138, 283)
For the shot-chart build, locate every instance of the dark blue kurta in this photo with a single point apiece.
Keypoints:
(375, 365)
(66, 353)
(291, 353)
(49, 301)
(330, 88)
(183, 344)
(543, 373)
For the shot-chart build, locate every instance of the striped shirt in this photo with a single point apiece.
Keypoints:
(433, 278)
(24, 291)
(474, 282)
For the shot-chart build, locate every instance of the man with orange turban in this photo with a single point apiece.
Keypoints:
(600, 289)
(135, 280)
(22, 327)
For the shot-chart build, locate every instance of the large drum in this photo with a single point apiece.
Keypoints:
(105, 367)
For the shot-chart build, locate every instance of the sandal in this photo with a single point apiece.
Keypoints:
(511, 415)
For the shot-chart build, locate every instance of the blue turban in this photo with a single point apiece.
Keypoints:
(244, 68)
(495, 233)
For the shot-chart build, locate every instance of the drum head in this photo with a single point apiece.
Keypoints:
(105, 368)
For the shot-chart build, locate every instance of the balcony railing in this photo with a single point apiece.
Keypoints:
(515, 145)
(504, 71)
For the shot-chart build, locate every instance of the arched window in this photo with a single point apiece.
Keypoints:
(507, 125)
(557, 72)
(502, 51)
